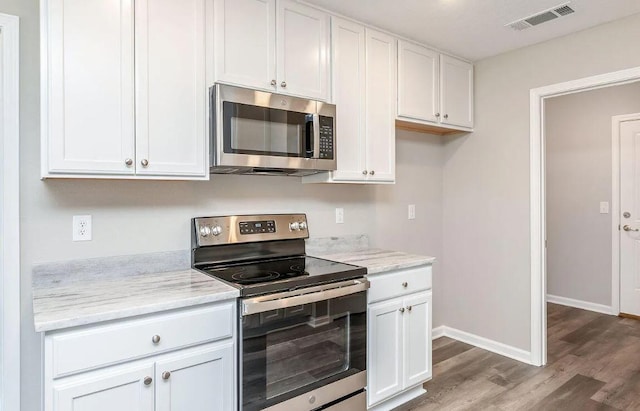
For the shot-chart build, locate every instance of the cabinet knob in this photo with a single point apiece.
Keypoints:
(437, 114)
(274, 82)
(364, 172)
(409, 308)
(446, 116)
(148, 380)
(128, 162)
(283, 84)
(372, 172)
(405, 284)
(155, 339)
(166, 375)
(144, 162)
(402, 310)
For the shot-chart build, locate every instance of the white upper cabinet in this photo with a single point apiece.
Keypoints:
(88, 87)
(418, 82)
(380, 105)
(124, 88)
(171, 87)
(245, 43)
(364, 90)
(349, 96)
(456, 97)
(273, 45)
(434, 89)
(303, 50)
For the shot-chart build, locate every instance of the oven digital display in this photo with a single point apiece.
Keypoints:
(257, 227)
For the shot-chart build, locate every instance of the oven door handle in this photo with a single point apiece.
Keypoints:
(303, 296)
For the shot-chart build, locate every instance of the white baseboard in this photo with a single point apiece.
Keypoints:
(437, 332)
(584, 305)
(403, 398)
(484, 343)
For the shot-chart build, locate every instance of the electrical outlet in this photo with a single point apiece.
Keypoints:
(81, 228)
(339, 215)
(412, 212)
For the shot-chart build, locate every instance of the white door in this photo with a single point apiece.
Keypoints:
(381, 58)
(630, 203)
(172, 75)
(384, 362)
(245, 43)
(348, 48)
(90, 86)
(116, 388)
(417, 339)
(197, 380)
(302, 50)
(456, 94)
(418, 82)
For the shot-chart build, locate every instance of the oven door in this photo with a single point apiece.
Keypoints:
(302, 342)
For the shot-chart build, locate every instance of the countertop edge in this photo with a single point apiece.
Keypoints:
(131, 312)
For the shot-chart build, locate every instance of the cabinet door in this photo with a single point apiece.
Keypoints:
(171, 94)
(417, 339)
(381, 60)
(384, 359)
(197, 380)
(245, 43)
(115, 388)
(417, 82)
(348, 48)
(456, 96)
(88, 90)
(302, 50)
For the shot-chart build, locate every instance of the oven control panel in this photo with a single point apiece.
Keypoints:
(257, 227)
(247, 228)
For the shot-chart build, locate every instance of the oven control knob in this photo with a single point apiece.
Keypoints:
(216, 230)
(295, 226)
(302, 225)
(205, 231)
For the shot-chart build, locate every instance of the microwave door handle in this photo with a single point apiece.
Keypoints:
(316, 136)
(309, 136)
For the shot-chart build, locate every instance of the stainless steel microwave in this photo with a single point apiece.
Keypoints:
(256, 132)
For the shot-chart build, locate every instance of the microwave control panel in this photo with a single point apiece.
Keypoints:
(326, 138)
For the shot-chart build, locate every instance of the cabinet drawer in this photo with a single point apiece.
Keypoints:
(399, 283)
(93, 347)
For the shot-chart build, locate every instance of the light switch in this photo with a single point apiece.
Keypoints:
(604, 207)
(339, 215)
(412, 212)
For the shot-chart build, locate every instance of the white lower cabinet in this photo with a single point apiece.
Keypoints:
(187, 368)
(399, 335)
(115, 388)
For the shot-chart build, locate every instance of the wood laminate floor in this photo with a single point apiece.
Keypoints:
(593, 364)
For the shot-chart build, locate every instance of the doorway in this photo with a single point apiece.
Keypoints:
(9, 215)
(538, 98)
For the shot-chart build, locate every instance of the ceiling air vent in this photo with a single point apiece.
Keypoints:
(541, 17)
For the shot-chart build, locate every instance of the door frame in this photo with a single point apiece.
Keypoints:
(10, 217)
(537, 188)
(616, 122)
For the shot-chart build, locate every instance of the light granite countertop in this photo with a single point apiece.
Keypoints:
(377, 260)
(80, 293)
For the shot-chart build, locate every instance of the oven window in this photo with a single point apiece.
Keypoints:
(289, 351)
(263, 131)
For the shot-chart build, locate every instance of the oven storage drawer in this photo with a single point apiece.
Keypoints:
(395, 284)
(92, 347)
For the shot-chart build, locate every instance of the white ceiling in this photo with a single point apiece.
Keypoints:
(474, 29)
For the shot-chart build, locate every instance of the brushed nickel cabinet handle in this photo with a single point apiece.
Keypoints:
(128, 162)
(405, 284)
(402, 310)
(155, 339)
(148, 380)
(144, 162)
(166, 375)
(409, 308)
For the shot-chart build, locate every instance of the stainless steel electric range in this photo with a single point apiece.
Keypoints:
(302, 320)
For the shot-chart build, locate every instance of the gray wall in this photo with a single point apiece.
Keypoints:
(578, 173)
(486, 179)
(131, 217)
